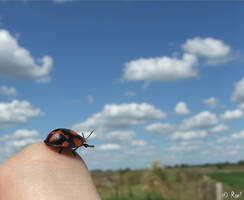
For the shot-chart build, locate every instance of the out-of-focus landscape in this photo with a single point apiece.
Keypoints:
(182, 182)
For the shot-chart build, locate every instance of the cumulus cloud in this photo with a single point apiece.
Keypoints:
(232, 137)
(161, 69)
(238, 94)
(230, 115)
(189, 135)
(109, 147)
(20, 134)
(212, 102)
(114, 116)
(14, 142)
(238, 136)
(138, 143)
(223, 140)
(16, 112)
(204, 119)
(187, 142)
(184, 147)
(219, 129)
(161, 128)
(8, 91)
(172, 68)
(216, 51)
(123, 141)
(123, 138)
(16, 62)
(181, 108)
(116, 146)
(119, 137)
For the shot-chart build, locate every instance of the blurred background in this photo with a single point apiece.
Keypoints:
(160, 82)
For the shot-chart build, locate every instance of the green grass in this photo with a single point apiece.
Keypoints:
(167, 184)
(235, 179)
(138, 194)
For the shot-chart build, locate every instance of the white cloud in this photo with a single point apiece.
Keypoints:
(118, 156)
(138, 143)
(14, 142)
(161, 69)
(216, 51)
(230, 115)
(8, 91)
(223, 140)
(24, 133)
(109, 147)
(181, 108)
(238, 136)
(161, 128)
(17, 63)
(183, 148)
(16, 112)
(20, 134)
(124, 139)
(114, 116)
(204, 119)
(119, 137)
(186, 146)
(189, 135)
(212, 102)
(119, 147)
(219, 129)
(238, 94)
(233, 137)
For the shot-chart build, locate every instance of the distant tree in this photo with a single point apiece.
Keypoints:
(156, 164)
(158, 169)
(241, 162)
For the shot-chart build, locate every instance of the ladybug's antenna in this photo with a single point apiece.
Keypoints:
(83, 135)
(90, 134)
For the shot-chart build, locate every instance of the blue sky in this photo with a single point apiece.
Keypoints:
(154, 79)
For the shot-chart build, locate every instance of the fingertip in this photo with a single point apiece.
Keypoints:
(39, 152)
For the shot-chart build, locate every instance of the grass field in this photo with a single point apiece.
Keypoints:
(235, 179)
(179, 183)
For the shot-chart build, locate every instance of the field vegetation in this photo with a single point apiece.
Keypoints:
(170, 183)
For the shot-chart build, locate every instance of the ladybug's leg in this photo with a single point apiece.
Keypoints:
(73, 151)
(60, 150)
(87, 145)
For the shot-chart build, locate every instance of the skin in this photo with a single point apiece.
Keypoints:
(39, 172)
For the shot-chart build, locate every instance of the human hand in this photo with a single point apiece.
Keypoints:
(39, 172)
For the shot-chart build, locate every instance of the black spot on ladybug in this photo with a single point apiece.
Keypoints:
(57, 138)
(66, 138)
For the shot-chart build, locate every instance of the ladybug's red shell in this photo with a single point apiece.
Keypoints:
(64, 138)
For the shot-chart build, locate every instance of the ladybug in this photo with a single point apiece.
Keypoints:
(66, 138)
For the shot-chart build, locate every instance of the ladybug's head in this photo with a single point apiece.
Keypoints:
(85, 139)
